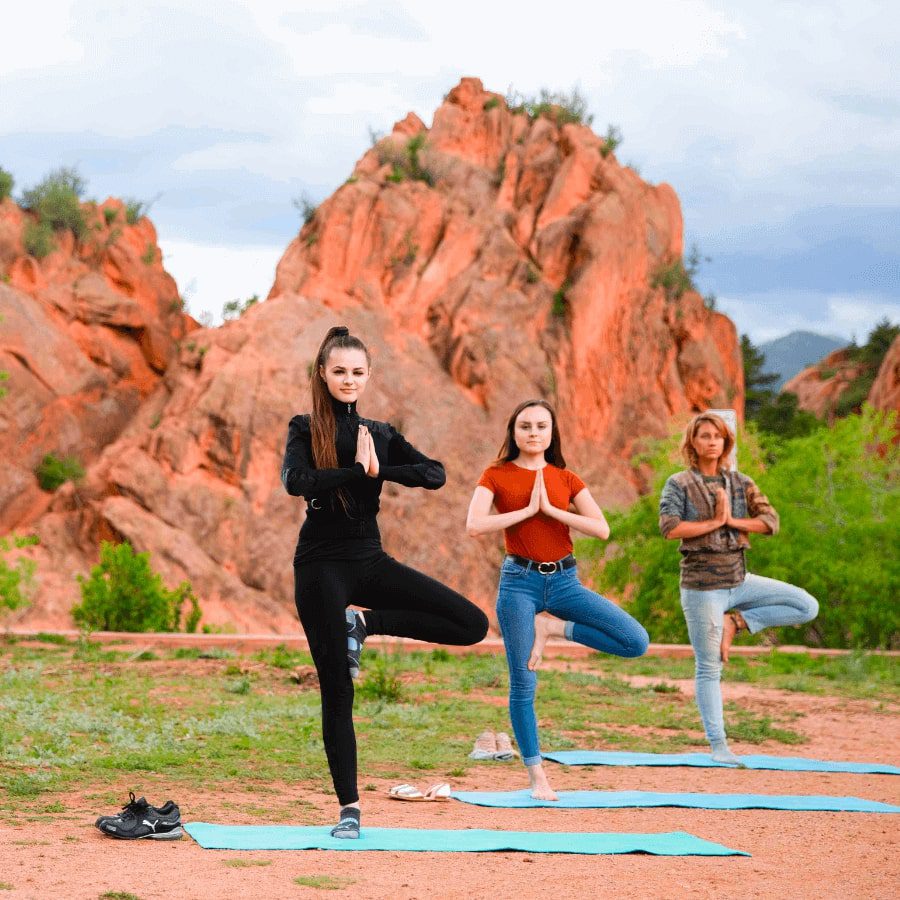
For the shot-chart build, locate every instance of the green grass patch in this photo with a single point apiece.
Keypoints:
(324, 882)
(245, 863)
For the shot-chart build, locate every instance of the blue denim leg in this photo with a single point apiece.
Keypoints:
(593, 620)
(519, 599)
(765, 602)
(704, 612)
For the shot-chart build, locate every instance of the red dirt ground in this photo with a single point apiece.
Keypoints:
(793, 854)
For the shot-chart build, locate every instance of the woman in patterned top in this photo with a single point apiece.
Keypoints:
(712, 509)
(531, 490)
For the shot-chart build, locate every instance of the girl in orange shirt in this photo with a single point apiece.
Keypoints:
(531, 490)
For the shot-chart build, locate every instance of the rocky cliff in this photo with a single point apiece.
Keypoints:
(489, 258)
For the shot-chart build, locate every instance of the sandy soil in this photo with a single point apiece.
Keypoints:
(793, 854)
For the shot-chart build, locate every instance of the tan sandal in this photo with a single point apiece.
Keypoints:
(485, 746)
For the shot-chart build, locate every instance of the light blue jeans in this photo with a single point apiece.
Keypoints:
(590, 619)
(763, 602)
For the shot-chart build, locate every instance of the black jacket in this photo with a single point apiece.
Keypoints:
(398, 461)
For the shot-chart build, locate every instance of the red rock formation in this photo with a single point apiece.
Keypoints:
(885, 392)
(487, 259)
(820, 386)
(85, 336)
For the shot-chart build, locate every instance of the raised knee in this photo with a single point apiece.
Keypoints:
(639, 643)
(812, 607)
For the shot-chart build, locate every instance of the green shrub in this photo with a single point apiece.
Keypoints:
(149, 255)
(123, 593)
(38, 239)
(109, 214)
(560, 301)
(234, 309)
(305, 207)
(4, 376)
(491, 103)
(57, 201)
(53, 472)
(381, 681)
(16, 578)
(406, 161)
(532, 274)
(135, 210)
(6, 184)
(611, 140)
(559, 106)
(836, 491)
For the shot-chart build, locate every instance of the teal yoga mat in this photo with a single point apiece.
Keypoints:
(631, 799)
(781, 763)
(295, 837)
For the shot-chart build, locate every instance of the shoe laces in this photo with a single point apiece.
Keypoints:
(135, 807)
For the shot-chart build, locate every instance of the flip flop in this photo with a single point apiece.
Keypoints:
(440, 791)
(406, 792)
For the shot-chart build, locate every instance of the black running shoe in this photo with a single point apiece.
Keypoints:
(356, 636)
(139, 819)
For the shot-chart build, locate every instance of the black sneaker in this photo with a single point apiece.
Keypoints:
(139, 819)
(356, 636)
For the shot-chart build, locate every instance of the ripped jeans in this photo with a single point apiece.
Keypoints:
(763, 602)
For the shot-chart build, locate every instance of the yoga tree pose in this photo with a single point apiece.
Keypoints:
(338, 461)
(712, 509)
(531, 490)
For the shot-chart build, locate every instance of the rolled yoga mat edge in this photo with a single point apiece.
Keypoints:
(288, 837)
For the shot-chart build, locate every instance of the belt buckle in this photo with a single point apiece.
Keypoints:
(553, 567)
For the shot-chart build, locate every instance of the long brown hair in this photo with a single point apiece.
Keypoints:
(322, 425)
(508, 449)
(687, 445)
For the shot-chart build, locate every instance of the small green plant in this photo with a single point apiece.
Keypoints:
(238, 685)
(16, 578)
(57, 201)
(558, 106)
(123, 593)
(135, 210)
(234, 309)
(491, 103)
(4, 376)
(149, 255)
(410, 251)
(381, 681)
(532, 274)
(305, 206)
(611, 140)
(38, 239)
(118, 895)
(406, 161)
(53, 472)
(677, 276)
(246, 863)
(560, 301)
(6, 184)
(109, 214)
(323, 882)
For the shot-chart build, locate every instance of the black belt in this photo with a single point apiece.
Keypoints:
(545, 568)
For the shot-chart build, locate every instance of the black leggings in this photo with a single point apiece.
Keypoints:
(398, 601)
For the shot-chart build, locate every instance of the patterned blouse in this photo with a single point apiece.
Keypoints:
(714, 560)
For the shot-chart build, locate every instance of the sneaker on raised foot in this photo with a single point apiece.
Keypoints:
(356, 636)
(139, 819)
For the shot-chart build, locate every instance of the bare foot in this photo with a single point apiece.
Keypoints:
(732, 624)
(540, 787)
(543, 628)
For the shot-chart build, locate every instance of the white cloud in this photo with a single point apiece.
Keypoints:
(210, 276)
(767, 316)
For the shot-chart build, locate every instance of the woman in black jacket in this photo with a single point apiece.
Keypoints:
(338, 461)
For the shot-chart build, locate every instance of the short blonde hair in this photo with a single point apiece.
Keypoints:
(687, 445)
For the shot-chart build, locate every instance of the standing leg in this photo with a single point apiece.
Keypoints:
(405, 603)
(322, 592)
(519, 598)
(703, 612)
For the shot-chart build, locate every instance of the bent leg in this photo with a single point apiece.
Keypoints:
(703, 612)
(593, 620)
(405, 603)
(516, 609)
(322, 596)
(765, 602)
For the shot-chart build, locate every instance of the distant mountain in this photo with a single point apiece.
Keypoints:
(792, 353)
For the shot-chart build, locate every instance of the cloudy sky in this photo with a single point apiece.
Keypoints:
(778, 123)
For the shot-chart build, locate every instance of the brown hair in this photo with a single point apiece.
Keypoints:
(687, 445)
(509, 451)
(322, 426)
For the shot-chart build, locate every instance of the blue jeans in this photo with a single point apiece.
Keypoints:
(591, 620)
(763, 602)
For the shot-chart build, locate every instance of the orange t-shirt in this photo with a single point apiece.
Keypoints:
(539, 538)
